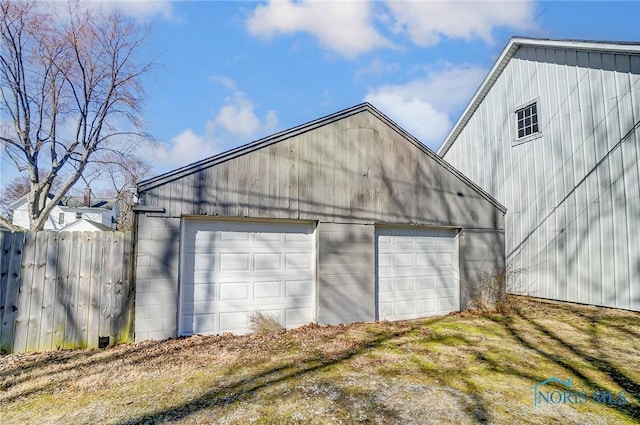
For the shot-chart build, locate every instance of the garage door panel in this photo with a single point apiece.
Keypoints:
(385, 285)
(267, 289)
(426, 306)
(201, 293)
(235, 321)
(297, 316)
(297, 289)
(231, 269)
(447, 282)
(448, 304)
(234, 291)
(205, 322)
(235, 261)
(425, 260)
(425, 282)
(297, 261)
(265, 261)
(404, 260)
(404, 285)
(229, 236)
(417, 272)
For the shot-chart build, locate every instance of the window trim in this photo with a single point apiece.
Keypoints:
(519, 140)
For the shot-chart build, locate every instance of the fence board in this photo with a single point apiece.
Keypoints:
(5, 246)
(105, 286)
(25, 293)
(64, 290)
(127, 327)
(71, 296)
(11, 291)
(49, 294)
(117, 288)
(84, 289)
(95, 285)
(37, 289)
(62, 279)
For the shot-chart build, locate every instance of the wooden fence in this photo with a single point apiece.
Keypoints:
(65, 290)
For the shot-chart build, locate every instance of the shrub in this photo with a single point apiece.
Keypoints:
(265, 323)
(491, 291)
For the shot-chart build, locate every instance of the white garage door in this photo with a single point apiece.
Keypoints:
(230, 269)
(417, 273)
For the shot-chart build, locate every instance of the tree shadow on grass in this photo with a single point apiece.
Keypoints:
(98, 363)
(600, 363)
(249, 387)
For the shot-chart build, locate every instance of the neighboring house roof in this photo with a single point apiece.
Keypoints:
(295, 131)
(86, 225)
(514, 44)
(15, 204)
(76, 202)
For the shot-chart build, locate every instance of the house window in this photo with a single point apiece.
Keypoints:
(61, 218)
(78, 215)
(527, 121)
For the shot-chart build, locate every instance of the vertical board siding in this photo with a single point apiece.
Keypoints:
(345, 171)
(64, 290)
(573, 194)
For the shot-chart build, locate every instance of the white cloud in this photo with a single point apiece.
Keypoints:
(424, 107)
(426, 22)
(377, 68)
(234, 124)
(140, 9)
(343, 27)
(185, 148)
(238, 118)
(349, 27)
(223, 81)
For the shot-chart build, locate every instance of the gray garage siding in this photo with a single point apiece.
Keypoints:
(348, 172)
(357, 169)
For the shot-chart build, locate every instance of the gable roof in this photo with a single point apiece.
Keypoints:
(509, 51)
(98, 227)
(295, 131)
(76, 202)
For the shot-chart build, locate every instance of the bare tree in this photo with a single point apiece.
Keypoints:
(123, 173)
(70, 84)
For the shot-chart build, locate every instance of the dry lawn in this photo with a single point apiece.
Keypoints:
(462, 368)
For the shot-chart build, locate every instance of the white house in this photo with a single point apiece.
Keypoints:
(552, 133)
(73, 213)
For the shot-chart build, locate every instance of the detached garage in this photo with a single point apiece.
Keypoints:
(347, 218)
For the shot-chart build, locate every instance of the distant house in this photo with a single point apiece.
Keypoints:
(73, 213)
(552, 133)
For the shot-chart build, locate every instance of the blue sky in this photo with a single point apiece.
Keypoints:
(232, 72)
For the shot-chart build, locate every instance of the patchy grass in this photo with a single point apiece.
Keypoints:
(462, 368)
